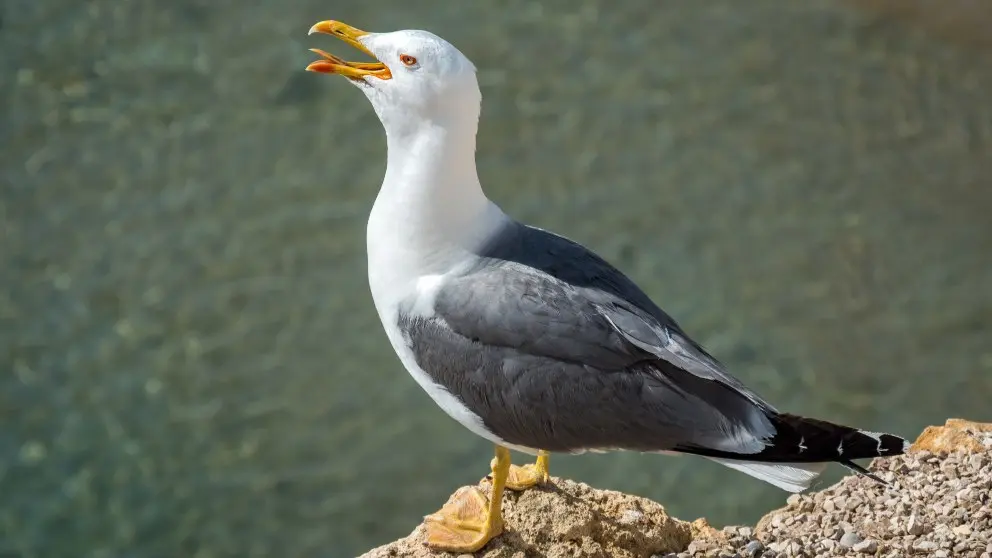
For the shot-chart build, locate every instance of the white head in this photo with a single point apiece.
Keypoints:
(418, 78)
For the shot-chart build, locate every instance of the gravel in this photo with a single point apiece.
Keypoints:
(936, 505)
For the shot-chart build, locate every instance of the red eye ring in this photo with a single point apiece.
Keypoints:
(407, 60)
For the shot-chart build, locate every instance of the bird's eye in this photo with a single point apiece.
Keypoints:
(408, 60)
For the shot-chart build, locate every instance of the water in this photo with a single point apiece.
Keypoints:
(193, 364)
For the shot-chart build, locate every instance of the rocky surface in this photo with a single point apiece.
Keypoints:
(938, 503)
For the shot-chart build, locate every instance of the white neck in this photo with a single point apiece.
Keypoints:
(431, 213)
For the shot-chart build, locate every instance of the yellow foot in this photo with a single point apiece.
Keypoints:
(521, 478)
(463, 524)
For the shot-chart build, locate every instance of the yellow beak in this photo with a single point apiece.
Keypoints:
(333, 65)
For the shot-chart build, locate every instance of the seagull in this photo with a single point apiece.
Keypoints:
(526, 338)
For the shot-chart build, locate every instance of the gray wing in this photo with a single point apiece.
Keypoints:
(555, 349)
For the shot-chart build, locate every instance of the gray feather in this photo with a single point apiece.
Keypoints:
(555, 349)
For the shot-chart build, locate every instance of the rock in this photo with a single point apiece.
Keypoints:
(867, 546)
(914, 526)
(956, 435)
(962, 530)
(566, 518)
(793, 548)
(849, 539)
(753, 549)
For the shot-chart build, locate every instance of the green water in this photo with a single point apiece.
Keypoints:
(191, 363)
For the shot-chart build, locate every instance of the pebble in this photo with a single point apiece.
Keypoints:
(849, 539)
(753, 549)
(867, 546)
(913, 526)
(937, 505)
(962, 530)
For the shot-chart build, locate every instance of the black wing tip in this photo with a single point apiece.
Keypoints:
(888, 444)
(819, 440)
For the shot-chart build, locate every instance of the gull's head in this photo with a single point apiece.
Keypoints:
(416, 77)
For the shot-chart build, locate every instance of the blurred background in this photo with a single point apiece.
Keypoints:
(190, 362)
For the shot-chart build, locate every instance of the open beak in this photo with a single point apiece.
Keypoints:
(333, 65)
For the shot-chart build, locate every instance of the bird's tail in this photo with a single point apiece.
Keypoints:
(801, 448)
(807, 440)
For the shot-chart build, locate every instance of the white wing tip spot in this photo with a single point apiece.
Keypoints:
(877, 436)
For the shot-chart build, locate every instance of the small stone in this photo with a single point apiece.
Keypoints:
(914, 526)
(962, 530)
(867, 546)
(925, 545)
(745, 532)
(753, 549)
(849, 539)
(793, 500)
(941, 553)
(698, 546)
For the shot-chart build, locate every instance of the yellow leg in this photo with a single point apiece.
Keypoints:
(527, 476)
(469, 520)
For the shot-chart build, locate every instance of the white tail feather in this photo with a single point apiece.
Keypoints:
(794, 477)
